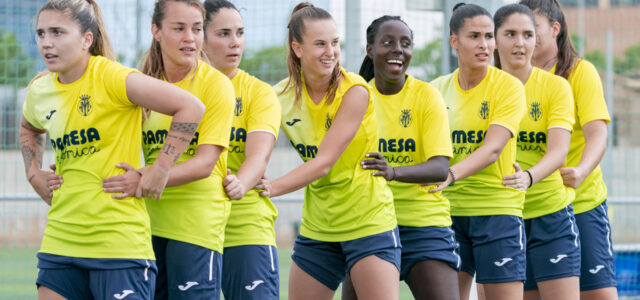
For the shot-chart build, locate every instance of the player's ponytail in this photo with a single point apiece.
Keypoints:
(567, 54)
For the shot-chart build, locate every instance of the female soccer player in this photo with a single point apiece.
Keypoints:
(485, 108)
(414, 147)
(555, 53)
(348, 220)
(250, 261)
(553, 249)
(95, 246)
(188, 222)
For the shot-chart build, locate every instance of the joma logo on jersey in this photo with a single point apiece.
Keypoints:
(396, 145)
(76, 137)
(306, 151)
(484, 110)
(471, 136)
(327, 122)
(405, 118)
(532, 137)
(85, 107)
(150, 137)
(238, 134)
(535, 111)
(238, 109)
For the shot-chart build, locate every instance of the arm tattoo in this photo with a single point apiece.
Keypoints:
(180, 138)
(27, 154)
(186, 128)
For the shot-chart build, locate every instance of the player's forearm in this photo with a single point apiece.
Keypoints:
(32, 148)
(433, 170)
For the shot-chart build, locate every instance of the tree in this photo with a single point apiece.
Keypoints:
(16, 68)
(426, 63)
(269, 64)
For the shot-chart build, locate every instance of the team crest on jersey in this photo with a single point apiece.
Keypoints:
(238, 110)
(535, 111)
(405, 118)
(327, 122)
(85, 105)
(484, 110)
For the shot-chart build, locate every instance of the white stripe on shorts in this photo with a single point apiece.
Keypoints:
(395, 242)
(520, 229)
(273, 267)
(453, 239)
(606, 221)
(146, 270)
(211, 266)
(573, 230)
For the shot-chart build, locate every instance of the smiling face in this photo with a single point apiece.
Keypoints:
(516, 41)
(180, 35)
(474, 42)
(225, 40)
(319, 50)
(391, 51)
(60, 42)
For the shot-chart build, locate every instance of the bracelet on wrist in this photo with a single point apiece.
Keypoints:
(530, 178)
(453, 177)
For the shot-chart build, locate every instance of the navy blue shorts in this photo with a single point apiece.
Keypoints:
(597, 268)
(97, 278)
(553, 247)
(329, 262)
(186, 271)
(427, 243)
(492, 246)
(250, 272)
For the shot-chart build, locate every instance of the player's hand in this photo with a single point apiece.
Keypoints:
(440, 185)
(124, 185)
(264, 184)
(377, 162)
(519, 180)
(45, 182)
(233, 186)
(153, 181)
(573, 177)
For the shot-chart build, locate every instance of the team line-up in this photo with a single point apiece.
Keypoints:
(490, 172)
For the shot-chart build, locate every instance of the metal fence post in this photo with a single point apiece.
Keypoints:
(353, 21)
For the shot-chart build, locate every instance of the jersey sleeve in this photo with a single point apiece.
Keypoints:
(436, 138)
(114, 77)
(561, 111)
(588, 94)
(264, 113)
(510, 106)
(215, 126)
(28, 109)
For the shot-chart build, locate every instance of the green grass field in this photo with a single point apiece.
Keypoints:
(18, 273)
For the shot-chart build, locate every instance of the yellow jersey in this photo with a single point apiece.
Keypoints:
(348, 203)
(498, 99)
(256, 109)
(590, 105)
(92, 126)
(195, 212)
(414, 127)
(549, 105)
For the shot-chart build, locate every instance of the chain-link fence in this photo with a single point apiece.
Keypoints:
(605, 31)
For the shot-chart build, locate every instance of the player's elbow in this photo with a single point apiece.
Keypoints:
(493, 155)
(441, 172)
